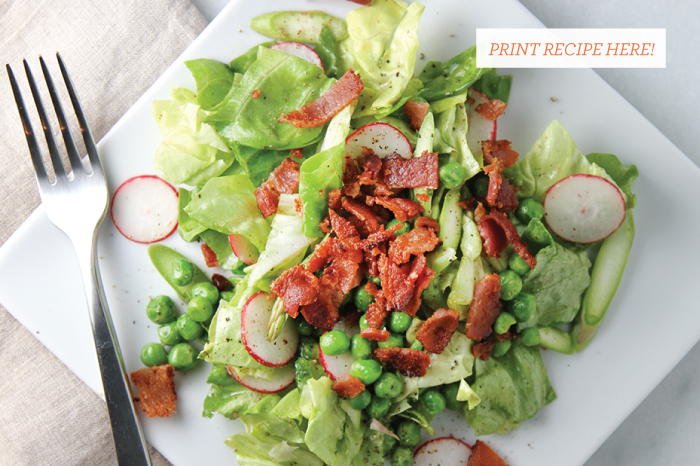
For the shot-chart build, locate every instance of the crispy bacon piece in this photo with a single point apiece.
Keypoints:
(342, 275)
(514, 238)
(333, 248)
(374, 334)
(409, 362)
(483, 455)
(422, 197)
(483, 350)
(363, 213)
(320, 111)
(322, 312)
(298, 207)
(499, 150)
(421, 283)
(417, 241)
(418, 172)
(351, 178)
(296, 153)
(427, 222)
(334, 199)
(500, 194)
(371, 168)
(267, 200)
(398, 290)
(380, 237)
(348, 386)
(377, 311)
(296, 287)
(436, 332)
(493, 236)
(209, 256)
(416, 112)
(403, 209)
(484, 308)
(511, 334)
(342, 228)
(491, 110)
(255, 94)
(284, 179)
(157, 394)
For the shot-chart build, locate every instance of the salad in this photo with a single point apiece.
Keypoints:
(389, 256)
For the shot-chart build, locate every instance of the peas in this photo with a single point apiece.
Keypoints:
(452, 175)
(408, 433)
(303, 327)
(227, 296)
(206, 290)
(161, 310)
(530, 336)
(360, 347)
(523, 307)
(199, 309)
(376, 280)
(529, 209)
(395, 339)
(388, 386)
(379, 407)
(334, 343)
(503, 323)
(405, 228)
(450, 391)
(399, 322)
(511, 284)
(169, 334)
(363, 299)
(434, 401)
(417, 345)
(183, 271)
(367, 370)
(153, 354)
(183, 357)
(188, 329)
(362, 400)
(500, 348)
(401, 456)
(518, 265)
(388, 444)
(480, 186)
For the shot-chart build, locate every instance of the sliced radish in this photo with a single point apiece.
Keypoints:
(255, 317)
(145, 208)
(480, 129)
(282, 378)
(243, 249)
(442, 451)
(382, 138)
(299, 50)
(584, 208)
(337, 366)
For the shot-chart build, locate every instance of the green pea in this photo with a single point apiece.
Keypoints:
(153, 354)
(518, 264)
(161, 310)
(388, 386)
(399, 322)
(363, 322)
(220, 375)
(334, 343)
(183, 271)
(360, 347)
(450, 391)
(530, 336)
(379, 407)
(183, 356)
(169, 335)
(303, 327)
(503, 322)
(200, 309)
(434, 401)
(206, 290)
(405, 227)
(480, 186)
(452, 175)
(523, 306)
(189, 329)
(417, 345)
(401, 456)
(500, 348)
(367, 370)
(511, 284)
(388, 444)
(528, 209)
(363, 299)
(376, 280)
(408, 433)
(395, 340)
(227, 296)
(362, 400)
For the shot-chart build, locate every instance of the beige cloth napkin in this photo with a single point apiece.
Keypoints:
(114, 51)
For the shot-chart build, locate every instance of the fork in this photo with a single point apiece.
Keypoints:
(76, 202)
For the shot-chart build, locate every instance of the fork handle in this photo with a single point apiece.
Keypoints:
(128, 437)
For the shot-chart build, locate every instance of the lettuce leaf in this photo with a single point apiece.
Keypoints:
(188, 228)
(219, 243)
(451, 127)
(623, 175)
(230, 400)
(258, 163)
(320, 174)
(214, 80)
(494, 86)
(455, 76)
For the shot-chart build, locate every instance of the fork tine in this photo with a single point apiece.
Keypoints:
(50, 141)
(34, 151)
(73, 155)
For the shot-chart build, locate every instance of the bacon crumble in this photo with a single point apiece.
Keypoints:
(416, 112)
(483, 455)
(157, 394)
(209, 256)
(484, 308)
(283, 180)
(409, 362)
(436, 332)
(348, 386)
(491, 110)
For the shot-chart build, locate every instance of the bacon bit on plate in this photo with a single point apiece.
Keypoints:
(342, 228)
(403, 209)
(320, 111)
(420, 285)
(284, 179)
(296, 153)
(348, 386)
(398, 291)
(221, 283)
(409, 362)
(417, 241)
(418, 172)
(493, 236)
(484, 308)
(499, 150)
(255, 94)
(427, 222)
(334, 199)
(157, 395)
(375, 334)
(483, 350)
(371, 168)
(363, 213)
(299, 207)
(377, 313)
(296, 287)
(483, 455)
(436, 332)
(380, 237)
(322, 312)
(514, 238)
(416, 112)
(209, 256)
(501, 194)
(491, 110)
(422, 197)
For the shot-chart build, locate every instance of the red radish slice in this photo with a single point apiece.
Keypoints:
(480, 129)
(338, 366)
(584, 208)
(442, 451)
(281, 379)
(243, 249)
(145, 208)
(255, 317)
(299, 50)
(383, 139)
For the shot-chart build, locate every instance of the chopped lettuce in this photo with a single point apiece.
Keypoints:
(451, 138)
(455, 76)
(231, 400)
(187, 227)
(258, 163)
(466, 393)
(214, 80)
(320, 174)
(494, 86)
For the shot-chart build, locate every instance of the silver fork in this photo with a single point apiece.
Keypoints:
(76, 202)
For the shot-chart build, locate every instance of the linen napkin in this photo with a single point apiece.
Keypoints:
(114, 51)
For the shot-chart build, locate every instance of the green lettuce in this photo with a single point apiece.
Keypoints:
(214, 80)
(188, 228)
(320, 174)
(451, 127)
(298, 26)
(455, 76)
(241, 63)
(219, 243)
(623, 175)
(231, 400)
(258, 163)
(494, 86)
